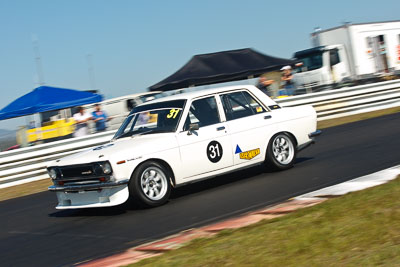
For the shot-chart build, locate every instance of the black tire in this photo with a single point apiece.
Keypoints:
(275, 156)
(152, 176)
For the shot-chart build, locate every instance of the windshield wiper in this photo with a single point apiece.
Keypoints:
(124, 135)
(130, 133)
(155, 131)
(136, 133)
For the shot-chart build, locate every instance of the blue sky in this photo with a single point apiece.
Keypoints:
(135, 44)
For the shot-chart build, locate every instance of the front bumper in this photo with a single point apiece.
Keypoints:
(83, 187)
(94, 195)
(93, 199)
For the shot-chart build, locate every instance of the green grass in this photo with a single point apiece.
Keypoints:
(358, 229)
(24, 189)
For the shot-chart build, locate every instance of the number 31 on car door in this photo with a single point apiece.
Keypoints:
(214, 151)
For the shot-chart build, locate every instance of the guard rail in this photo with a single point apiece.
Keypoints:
(28, 164)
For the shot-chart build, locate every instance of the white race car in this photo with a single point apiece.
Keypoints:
(180, 139)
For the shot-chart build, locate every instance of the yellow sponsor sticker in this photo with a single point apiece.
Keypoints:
(250, 154)
(259, 109)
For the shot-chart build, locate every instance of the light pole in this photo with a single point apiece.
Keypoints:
(38, 60)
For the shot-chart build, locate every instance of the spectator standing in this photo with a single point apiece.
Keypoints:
(286, 79)
(265, 85)
(100, 118)
(81, 122)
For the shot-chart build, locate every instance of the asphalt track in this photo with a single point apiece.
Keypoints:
(33, 233)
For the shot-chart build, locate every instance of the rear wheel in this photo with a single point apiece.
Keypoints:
(281, 152)
(149, 184)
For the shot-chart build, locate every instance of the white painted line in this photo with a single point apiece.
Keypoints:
(357, 184)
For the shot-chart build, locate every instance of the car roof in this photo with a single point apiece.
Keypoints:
(199, 93)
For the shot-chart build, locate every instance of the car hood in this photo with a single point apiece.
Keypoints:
(120, 149)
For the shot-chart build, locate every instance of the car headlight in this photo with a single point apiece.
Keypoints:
(52, 173)
(106, 168)
(102, 168)
(98, 169)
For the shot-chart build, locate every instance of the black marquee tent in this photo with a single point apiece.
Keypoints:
(221, 67)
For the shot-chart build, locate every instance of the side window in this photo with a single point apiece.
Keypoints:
(254, 105)
(239, 105)
(204, 112)
(334, 57)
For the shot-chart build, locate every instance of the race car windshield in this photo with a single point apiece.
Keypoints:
(161, 120)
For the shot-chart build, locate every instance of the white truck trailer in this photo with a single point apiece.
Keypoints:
(349, 53)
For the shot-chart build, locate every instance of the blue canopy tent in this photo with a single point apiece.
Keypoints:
(46, 98)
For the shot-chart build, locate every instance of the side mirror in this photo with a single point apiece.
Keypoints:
(193, 127)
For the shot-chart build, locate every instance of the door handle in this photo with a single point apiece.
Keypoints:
(221, 128)
(267, 117)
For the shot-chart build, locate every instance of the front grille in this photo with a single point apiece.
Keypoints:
(82, 171)
(79, 174)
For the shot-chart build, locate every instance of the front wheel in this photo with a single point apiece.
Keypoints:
(149, 184)
(281, 152)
